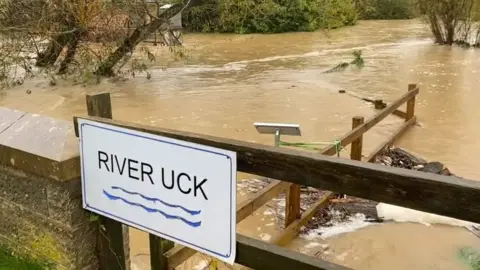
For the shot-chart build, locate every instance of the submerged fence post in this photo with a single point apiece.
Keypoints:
(292, 198)
(411, 103)
(357, 145)
(292, 206)
(112, 242)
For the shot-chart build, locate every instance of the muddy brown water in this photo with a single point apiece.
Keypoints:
(229, 81)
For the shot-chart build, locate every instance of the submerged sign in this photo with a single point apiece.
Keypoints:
(177, 190)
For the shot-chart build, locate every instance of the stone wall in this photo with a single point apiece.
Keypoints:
(41, 212)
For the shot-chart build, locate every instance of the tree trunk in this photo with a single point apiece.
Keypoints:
(71, 51)
(53, 51)
(129, 44)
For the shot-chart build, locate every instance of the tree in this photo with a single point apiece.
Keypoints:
(453, 21)
(76, 36)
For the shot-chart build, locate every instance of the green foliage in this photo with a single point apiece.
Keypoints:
(453, 21)
(9, 261)
(357, 61)
(337, 13)
(386, 9)
(269, 16)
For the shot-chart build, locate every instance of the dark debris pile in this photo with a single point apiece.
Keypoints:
(397, 157)
(340, 209)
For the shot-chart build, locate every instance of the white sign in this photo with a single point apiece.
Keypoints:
(180, 191)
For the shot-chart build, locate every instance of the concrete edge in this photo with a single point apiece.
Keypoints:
(57, 170)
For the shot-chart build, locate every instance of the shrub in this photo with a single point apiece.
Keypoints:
(386, 9)
(269, 16)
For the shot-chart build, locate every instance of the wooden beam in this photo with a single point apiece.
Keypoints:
(357, 144)
(442, 195)
(390, 141)
(292, 231)
(179, 253)
(259, 255)
(99, 105)
(411, 103)
(292, 205)
(354, 134)
(380, 105)
(158, 246)
(248, 207)
(400, 114)
(112, 243)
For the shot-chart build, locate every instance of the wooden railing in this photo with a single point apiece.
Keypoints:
(355, 138)
(416, 190)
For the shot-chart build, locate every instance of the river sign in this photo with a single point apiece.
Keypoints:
(180, 191)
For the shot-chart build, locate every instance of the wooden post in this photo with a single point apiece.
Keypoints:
(411, 103)
(112, 241)
(292, 206)
(357, 145)
(379, 104)
(158, 247)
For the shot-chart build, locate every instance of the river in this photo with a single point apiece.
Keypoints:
(227, 82)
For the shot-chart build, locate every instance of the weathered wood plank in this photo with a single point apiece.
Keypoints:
(292, 205)
(112, 243)
(410, 103)
(158, 246)
(380, 105)
(292, 231)
(293, 228)
(259, 255)
(179, 253)
(99, 105)
(400, 114)
(391, 140)
(357, 144)
(248, 207)
(438, 194)
(370, 123)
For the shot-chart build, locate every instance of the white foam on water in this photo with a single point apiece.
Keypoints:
(329, 51)
(242, 65)
(205, 68)
(265, 237)
(334, 228)
(278, 57)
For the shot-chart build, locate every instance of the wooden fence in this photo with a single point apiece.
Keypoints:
(436, 194)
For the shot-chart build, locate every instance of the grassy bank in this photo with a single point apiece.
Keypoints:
(9, 261)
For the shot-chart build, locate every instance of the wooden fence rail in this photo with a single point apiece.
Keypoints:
(355, 138)
(294, 219)
(437, 194)
(443, 195)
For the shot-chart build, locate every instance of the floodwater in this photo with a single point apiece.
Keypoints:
(230, 81)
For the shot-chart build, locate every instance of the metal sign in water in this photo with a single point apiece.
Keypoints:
(177, 190)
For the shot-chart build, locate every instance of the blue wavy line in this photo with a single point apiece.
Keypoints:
(191, 212)
(152, 210)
